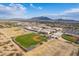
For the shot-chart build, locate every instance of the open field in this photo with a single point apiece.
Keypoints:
(7, 46)
(69, 37)
(54, 48)
(13, 31)
(30, 39)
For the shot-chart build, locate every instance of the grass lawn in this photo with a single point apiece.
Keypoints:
(69, 37)
(30, 39)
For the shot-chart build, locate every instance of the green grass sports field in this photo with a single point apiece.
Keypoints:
(30, 39)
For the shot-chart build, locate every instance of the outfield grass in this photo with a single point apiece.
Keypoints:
(31, 39)
(69, 37)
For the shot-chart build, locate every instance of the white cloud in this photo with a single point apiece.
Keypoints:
(67, 14)
(73, 10)
(40, 8)
(20, 11)
(72, 13)
(32, 5)
(12, 10)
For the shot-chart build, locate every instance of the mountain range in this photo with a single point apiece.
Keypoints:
(43, 18)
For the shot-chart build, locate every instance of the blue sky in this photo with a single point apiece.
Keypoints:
(28, 10)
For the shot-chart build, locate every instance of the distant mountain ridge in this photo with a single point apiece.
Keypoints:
(66, 21)
(43, 18)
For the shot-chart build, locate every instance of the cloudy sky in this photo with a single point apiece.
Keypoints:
(28, 10)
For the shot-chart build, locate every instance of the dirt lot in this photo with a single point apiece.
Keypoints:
(7, 46)
(14, 31)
